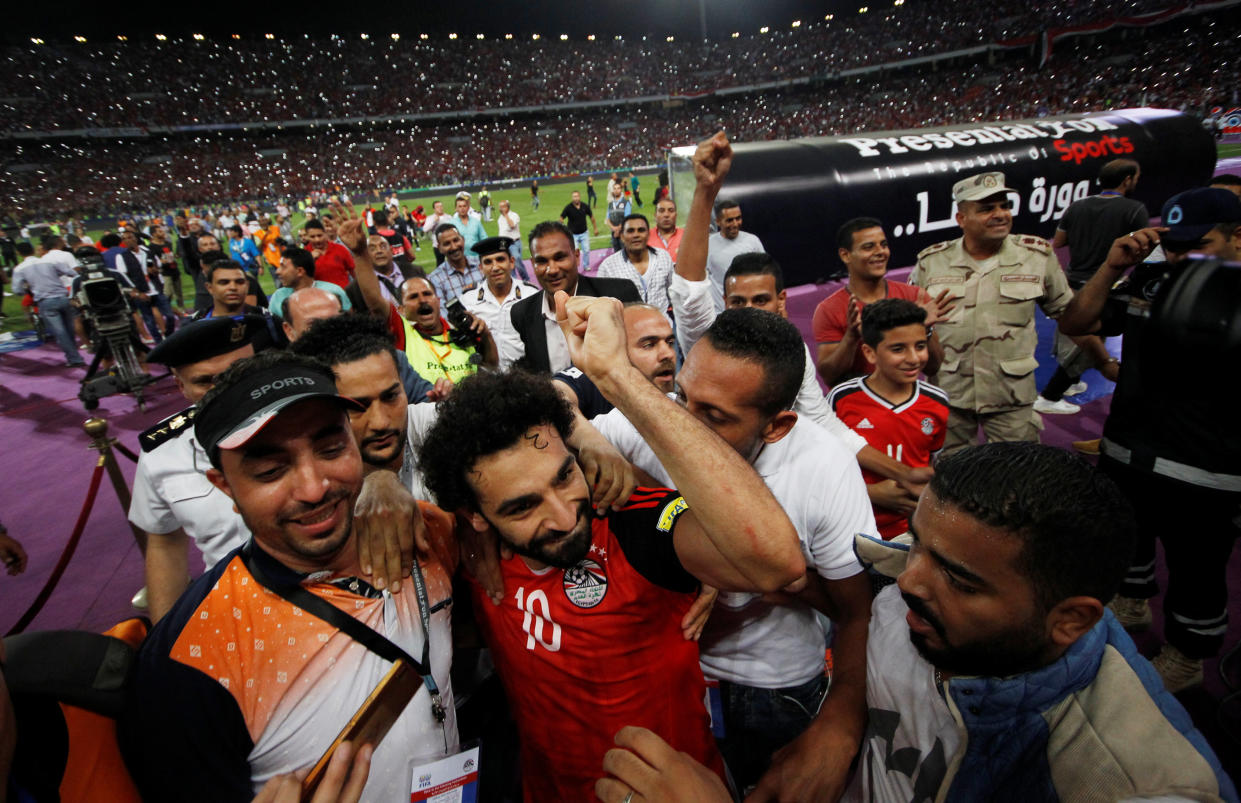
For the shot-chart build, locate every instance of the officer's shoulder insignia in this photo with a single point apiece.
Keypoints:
(1037, 244)
(166, 430)
(935, 249)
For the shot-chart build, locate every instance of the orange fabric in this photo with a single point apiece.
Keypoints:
(94, 770)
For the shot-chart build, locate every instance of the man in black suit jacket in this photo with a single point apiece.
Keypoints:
(555, 264)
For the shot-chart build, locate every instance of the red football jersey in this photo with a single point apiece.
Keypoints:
(583, 652)
(910, 433)
(335, 266)
(831, 317)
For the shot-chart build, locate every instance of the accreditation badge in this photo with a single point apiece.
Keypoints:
(449, 780)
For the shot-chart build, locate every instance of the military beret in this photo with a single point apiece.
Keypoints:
(201, 340)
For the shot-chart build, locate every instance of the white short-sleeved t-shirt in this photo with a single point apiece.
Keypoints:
(171, 491)
(818, 483)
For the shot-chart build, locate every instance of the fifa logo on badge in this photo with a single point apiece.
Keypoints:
(424, 781)
(586, 584)
(468, 765)
(1174, 216)
(928, 426)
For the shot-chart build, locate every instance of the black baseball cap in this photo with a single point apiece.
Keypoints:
(242, 409)
(1191, 214)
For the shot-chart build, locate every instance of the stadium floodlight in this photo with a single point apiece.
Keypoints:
(79, 38)
(534, 36)
(764, 29)
(899, 3)
(796, 23)
(424, 36)
(736, 34)
(479, 36)
(863, 9)
(122, 37)
(36, 40)
(396, 37)
(366, 36)
(198, 37)
(508, 36)
(590, 37)
(163, 38)
(564, 37)
(452, 36)
(670, 38)
(236, 36)
(269, 36)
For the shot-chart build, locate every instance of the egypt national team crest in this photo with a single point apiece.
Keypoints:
(585, 584)
(928, 425)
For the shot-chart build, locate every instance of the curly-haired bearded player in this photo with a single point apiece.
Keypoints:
(588, 636)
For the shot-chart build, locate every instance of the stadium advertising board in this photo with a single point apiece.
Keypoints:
(794, 194)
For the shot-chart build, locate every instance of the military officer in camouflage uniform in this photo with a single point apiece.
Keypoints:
(989, 339)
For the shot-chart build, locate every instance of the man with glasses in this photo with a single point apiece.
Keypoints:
(989, 338)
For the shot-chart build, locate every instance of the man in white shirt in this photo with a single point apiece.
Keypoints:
(494, 299)
(759, 284)
(741, 380)
(509, 223)
(726, 244)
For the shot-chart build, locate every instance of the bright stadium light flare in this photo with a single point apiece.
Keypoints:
(863, 9)
(269, 36)
(796, 23)
(163, 38)
(36, 40)
(198, 37)
(452, 36)
(736, 34)
(366, 36)
(534, 36)
(396, 37)
(424, 36)
(590, 37)
(670, 38)
(764, 29)
(508, 36)
(79, 38)
(479, 36)
(564, 37)
(829, 17)
(122, 37)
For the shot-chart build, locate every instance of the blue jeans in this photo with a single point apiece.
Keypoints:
(160, 302)
(520, 266)
(148, 317)
(57, 314)
(582, 243)
(758, 722)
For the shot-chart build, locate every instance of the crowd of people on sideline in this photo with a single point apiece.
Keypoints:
(608, 525)
(1189, 65)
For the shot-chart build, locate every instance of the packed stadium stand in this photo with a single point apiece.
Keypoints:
(192, 121)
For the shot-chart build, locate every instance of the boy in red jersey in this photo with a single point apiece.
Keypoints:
(895, 412)
(588, 636)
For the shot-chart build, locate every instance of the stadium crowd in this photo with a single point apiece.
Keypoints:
(1178, 65)
(248, 80)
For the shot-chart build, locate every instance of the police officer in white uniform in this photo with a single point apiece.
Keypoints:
(494, 298)
(172, 499)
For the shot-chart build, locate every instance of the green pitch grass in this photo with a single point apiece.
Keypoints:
(1229, 150)
(553, 196)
